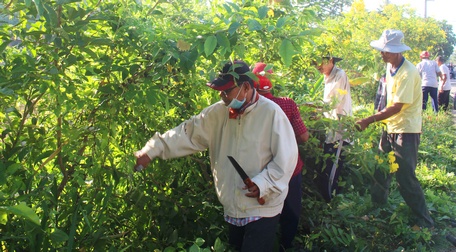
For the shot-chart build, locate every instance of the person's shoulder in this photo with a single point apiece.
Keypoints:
(215, 107)
(268, 104)
(408, 68)
(339, 71)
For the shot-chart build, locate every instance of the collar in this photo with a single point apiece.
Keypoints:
(398, 67)
(331, 75)
(234, 113)
(268, 95)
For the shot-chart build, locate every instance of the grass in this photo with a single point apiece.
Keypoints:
(350, 222)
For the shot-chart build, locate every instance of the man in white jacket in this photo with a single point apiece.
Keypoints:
(257, 133)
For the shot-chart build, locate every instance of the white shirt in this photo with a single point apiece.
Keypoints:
(428, 71)
(445, 71)
(337, 89)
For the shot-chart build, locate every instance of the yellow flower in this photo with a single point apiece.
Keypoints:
(394, 167)
(380, 161)
(342, 91)
(169, 68)
(377, 157)
(270, 13)
(391, 157)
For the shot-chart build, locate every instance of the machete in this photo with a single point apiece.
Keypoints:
(244, 176)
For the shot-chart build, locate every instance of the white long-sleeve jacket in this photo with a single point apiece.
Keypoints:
(261, 140)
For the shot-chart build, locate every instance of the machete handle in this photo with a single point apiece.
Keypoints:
(249, 184)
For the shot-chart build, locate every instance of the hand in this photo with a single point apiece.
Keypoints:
(142, 160)
(361, 125)
(254, 191)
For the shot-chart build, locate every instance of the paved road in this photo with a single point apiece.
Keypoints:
(452, 92)
(453, 87)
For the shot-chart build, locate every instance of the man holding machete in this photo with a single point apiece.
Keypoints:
(257, 134)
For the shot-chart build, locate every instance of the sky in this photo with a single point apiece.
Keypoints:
(438, 9)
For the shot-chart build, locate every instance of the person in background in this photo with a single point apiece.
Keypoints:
(444, 84)
(336, 93)
(403, 118)
(429, 70)
(289, 219)
(380, 96)
(257, 133)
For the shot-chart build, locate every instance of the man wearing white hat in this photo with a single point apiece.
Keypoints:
(403, 121)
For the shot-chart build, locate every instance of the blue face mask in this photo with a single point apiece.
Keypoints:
(235, 103)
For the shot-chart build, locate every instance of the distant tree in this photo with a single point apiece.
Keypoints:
(324, 8)
(446, 49)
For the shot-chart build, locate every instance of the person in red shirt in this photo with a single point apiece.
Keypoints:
(289, 218)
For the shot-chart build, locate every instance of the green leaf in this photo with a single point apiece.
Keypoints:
(286, 52)
(252, 76)
(59, 236)
(233, 28)
(200, 241)
(209, 45)
(100, 41)
(11, 169)
(172, 239)
(194, 248)
(13, 110)
(254, 25)
(50, 14)
(3, 217)
(281, 22)
(218, 245)
(39, 7)
(22, 210)
(6, 91)
(62, 2)
(263, 12)
(4, 45)
(223, 41)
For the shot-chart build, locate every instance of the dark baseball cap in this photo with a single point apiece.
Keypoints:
(233, 73)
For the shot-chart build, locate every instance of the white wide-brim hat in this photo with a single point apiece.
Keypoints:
(390, 41)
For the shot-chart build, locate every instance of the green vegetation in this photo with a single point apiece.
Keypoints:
(83, 85)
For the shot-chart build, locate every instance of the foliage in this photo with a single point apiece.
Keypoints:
(83, 84)
(351, 222)
(446, 49)
(349, 37)
(324, 8)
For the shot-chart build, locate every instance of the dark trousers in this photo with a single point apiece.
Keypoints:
(289, 218)
(405, 147)
(430, 91)
(257, 236)
(324, 175)
(444, 99)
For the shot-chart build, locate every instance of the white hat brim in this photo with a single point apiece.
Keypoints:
(380, 45)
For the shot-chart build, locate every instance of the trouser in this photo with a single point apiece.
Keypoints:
(405, 147)
(256, 236)
(430, 91)
(289, 218)
(444, 99)
(324, 175)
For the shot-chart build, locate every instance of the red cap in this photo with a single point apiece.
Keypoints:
(424, 54)
(263, 83)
